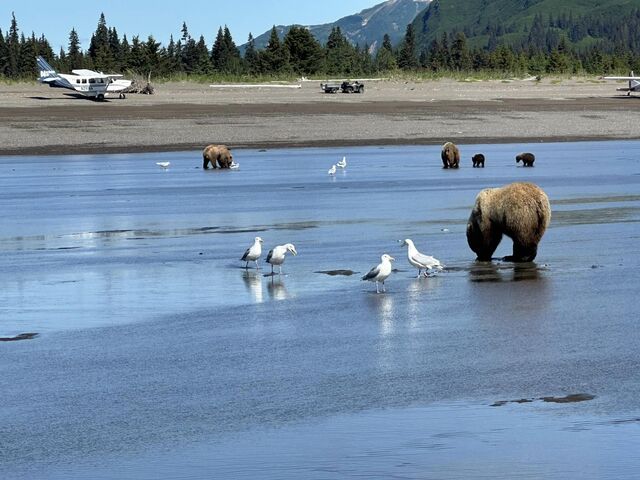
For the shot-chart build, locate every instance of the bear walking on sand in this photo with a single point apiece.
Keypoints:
(478, 160)
(519, 210)
(218, 156)
(527, 159)
(450, 155)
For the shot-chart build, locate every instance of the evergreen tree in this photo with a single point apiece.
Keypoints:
(407, 58)
(4, 55)
(26, 58)
(202, 61)
(275, 58)
(74, 53)
(99, 45)
(13, 49)
(251, 57)
(385, 60)
(305, 53)
(340, 56)
(460, 58)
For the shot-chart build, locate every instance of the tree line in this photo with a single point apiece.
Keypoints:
(550, 48)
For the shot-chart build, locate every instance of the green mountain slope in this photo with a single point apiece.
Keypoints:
(511, 21)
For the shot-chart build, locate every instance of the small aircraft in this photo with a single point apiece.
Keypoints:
(96, 85)
(634, 83)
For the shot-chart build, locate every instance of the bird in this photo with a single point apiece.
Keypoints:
(276, 255)
(163, 165)
(381, 272)
(342, 163)
(253, 253)
(332, 170)
(234, 165)
(419, 260)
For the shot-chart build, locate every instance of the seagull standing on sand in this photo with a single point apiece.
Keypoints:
(419, 260)
(253, 253)
(332, 170)
(381, 272)
(342, 163)
(276, 255)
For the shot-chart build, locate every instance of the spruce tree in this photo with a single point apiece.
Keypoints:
(74, 55)
(407, 59)
(251, 57)
(305, 53)
(385, 59)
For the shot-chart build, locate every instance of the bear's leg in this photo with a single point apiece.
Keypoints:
(522, 253)
(483, 243)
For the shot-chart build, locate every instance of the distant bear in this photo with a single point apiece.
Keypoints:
(218, 155)
(478, 160)
(527, 159)
(519, 210)
(450, 155)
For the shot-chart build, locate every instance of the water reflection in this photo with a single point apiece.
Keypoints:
(382, 305)
(503, 272)
(277, 289)
(253, 281)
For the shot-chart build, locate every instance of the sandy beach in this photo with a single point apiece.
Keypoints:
(35, 119)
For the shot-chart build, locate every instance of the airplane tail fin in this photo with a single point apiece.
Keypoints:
(46, 70)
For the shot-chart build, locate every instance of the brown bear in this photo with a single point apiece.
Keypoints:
(218, 155)
(450, 155)
(478, 160)
(519, 210)
(527, 159)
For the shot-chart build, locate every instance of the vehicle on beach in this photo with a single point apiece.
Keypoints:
(95, 85)
(345, 87)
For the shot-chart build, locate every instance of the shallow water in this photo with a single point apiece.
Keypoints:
(157, 347)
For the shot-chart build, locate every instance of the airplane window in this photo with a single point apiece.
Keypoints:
(92, 80)
(77, 80)
(84, 80)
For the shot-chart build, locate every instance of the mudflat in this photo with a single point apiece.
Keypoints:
(35, 119)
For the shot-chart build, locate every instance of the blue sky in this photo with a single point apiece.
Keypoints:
(161, 18)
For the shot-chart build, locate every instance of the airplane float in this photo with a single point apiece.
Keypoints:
(634, 83)
(96, 85)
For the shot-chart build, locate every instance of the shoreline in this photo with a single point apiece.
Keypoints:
(36, 120)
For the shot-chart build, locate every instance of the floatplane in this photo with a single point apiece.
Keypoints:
(96, 85)
(634, 83)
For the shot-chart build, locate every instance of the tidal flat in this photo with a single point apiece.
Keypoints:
(158, 355)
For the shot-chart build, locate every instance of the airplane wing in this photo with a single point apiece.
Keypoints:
(621, 78)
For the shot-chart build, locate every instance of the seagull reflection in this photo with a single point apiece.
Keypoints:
(383, 306)
(253, 282)
(276, 289)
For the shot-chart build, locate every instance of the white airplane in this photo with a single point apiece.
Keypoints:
(86, 82)
(634, 83)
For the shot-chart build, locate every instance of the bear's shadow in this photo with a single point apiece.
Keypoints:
(480, 272)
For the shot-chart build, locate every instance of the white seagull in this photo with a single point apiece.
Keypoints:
(276, 255)
(420, 260)
(332, 170)
(342, 163)
(253, 253)
(381, 272)
(234, 165)
(163, 165)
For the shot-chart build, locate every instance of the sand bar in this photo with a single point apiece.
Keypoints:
(35, 119)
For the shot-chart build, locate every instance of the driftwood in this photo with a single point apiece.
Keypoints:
(140, 85)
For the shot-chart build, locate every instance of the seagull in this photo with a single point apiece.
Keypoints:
(253, 253)
(276, 255)
(419, 260)
(342, 163)
(332, 170)
(234, 166)
(163, 165)
(381, 272)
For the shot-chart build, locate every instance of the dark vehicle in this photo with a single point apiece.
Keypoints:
(352, 87)
(345, 87)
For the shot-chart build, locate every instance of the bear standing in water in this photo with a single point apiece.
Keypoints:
(478, 160)
(218, 156)
(519, 210)
(450, 155)
(527, 159)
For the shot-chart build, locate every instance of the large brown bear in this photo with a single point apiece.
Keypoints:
(527, 159)
(519, 210)
(450, 155)
(218, 156)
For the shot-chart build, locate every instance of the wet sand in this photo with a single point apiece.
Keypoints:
(38, 120)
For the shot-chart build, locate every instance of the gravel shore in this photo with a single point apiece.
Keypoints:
(35, 119)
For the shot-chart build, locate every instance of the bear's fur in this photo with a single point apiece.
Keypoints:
(450, 155)
(217, 155)
(527, 159)
(519, 210)
(478, 160)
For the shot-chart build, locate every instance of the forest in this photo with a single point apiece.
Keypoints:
(553, 46)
